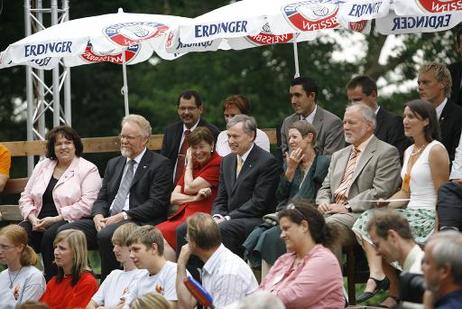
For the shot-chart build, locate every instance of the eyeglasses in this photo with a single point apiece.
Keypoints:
(129, 137)
(292, 207)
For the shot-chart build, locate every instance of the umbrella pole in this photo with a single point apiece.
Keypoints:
(125, 86)
(297, 67)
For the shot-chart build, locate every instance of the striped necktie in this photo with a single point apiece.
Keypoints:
(341, 194)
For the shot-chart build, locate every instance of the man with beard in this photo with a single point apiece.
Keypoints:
(136, 188)
(174, 144)
(366, 170)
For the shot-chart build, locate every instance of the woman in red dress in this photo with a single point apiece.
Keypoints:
(197, 188)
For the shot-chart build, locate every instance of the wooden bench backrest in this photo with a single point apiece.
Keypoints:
(95, 144)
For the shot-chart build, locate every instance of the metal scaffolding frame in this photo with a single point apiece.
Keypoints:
(43, 98)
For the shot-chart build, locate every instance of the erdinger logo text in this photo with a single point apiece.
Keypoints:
(312, 15)
(225, 27)
(441, 6)
(90, 56)
(44, 48)
(127, 34)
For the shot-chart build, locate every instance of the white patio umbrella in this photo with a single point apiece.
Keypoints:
(231, 26)
(120, 38)
(251, 23)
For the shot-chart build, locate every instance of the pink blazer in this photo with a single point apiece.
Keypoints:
(74, 193)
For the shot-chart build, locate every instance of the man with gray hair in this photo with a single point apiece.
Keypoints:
(249, 177)
(366, 170)
(136, 188)
(442, 268)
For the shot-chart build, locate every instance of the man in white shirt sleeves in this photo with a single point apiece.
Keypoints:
(225, 276)
(392, 237)
(147, 252)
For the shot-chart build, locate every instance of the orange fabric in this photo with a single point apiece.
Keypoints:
(5, 160)
(63, 296)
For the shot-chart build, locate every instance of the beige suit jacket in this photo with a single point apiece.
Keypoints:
(377, 175)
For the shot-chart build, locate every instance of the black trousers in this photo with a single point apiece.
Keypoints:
(101, 240)
(450, 205)
(42, 242)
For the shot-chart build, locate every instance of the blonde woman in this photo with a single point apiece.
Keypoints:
(21, 281)
(74, 285)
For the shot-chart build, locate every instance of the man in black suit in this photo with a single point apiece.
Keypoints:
(456, 72)
(249, 177)
(389, 126)
(435, 87)
(189, 110)
(136, 188)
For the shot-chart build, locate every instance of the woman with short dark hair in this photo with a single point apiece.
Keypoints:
(61, 189)
(197, 188)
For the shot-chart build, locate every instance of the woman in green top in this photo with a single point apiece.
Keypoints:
(304, 172)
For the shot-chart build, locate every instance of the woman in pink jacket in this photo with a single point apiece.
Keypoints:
(62, 189)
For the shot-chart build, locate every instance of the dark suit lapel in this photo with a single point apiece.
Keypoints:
(142, 167)
(177, 137)
(118, 172)
(246, 168)
(445, 114)
(379, 121)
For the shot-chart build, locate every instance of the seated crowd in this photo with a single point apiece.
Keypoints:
(208, 210)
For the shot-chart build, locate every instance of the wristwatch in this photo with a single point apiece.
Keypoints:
(124, 215)
(348, 207)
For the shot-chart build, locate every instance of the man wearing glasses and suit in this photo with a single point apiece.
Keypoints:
(136, 188)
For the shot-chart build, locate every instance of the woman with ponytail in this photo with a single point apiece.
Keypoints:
(309, 275)
(21, 281)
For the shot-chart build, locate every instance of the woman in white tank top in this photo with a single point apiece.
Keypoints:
(425, 169)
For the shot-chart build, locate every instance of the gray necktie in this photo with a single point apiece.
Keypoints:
(124, 188)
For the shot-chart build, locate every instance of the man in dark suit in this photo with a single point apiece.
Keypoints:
(456, 72)
(435, 83)
(189, 110)
(136, 188)
(389, 127)
(249, 177)
(303, 93)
